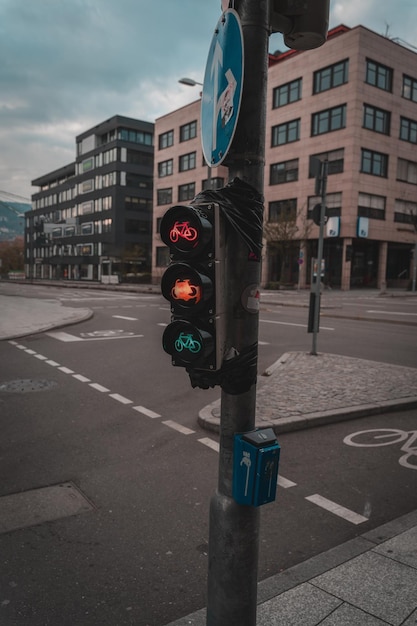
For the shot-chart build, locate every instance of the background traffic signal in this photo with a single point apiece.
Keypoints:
(193, 284)
(304, 23)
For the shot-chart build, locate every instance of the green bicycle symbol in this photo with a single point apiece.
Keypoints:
(186, 341)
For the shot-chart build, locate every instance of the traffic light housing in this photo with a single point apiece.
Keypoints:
(193, 284)
(304, 23)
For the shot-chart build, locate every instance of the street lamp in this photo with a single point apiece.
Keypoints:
(190, 82)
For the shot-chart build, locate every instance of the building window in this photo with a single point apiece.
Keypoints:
(87, 207)
(166, 140)
(139, 158)
(405, 212)
(188, 131)
(187, 162)
(136, 227)
(331, 76)
(284, 172)
(165, 168)
(378, 75)
(376, 119)
(186, 192)
(410, 88)
(136, 180)
(374, 163)
(282, 210)
(285, 133)
(335, 161)
(407, 171)
(87, 229)
(408, 130)
(135, 203)
(164, 196)
(87, 165)
(135, 136)
(371, 206)
(328, 120)
(86, 186)
(285, 94)
(162, 257)
(213, 183)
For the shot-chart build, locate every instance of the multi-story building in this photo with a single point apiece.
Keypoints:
(352, 104)
(92, 219)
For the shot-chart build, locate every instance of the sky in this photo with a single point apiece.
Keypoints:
(67, 65)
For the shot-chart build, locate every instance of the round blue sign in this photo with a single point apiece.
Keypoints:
(222, 89)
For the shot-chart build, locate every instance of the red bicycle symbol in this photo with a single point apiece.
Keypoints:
(183, 230)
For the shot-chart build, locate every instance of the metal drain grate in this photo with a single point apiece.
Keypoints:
(27, 385)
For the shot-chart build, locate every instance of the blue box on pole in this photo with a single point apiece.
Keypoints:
(255, 467)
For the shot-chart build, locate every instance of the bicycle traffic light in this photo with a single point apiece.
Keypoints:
(192, 283)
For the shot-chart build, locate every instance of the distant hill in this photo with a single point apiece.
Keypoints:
(12, 223)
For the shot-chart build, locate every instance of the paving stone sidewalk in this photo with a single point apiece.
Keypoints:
(302, 390)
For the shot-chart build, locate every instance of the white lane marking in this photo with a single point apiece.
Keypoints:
(53, 363)
(292, 324)
(124, 317)
(210, 443)
(120, 398)
(99, 387)
(337, 509)
(181, 429)
(61, 336)
(263, 343)
(67, 337)
(20, 346)
(391, 313)
(162, 324)
(66, 370)
(13, 343)
(145, 411)
(30, 351)
(82, 378)
(40, 357)
(285, 483)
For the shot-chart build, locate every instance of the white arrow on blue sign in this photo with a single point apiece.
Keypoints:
(222, 89)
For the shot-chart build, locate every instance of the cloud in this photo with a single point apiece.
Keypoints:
(67, 65)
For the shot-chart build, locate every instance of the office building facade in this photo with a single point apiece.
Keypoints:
(351, 104)
(92, 219)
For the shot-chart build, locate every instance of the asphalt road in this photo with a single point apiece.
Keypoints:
(139, 556)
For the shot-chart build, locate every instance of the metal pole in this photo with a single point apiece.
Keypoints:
(323, 176)
(413, 287)
(234, 529)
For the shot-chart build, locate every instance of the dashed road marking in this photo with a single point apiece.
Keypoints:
(337, 509)
(145, 411)
(124, 317)
(66, 370)
(99, 387)
(120, 398)
(40, 357)
(51, 362)
(178, 427)
(292, 324)
(30, 351)
(210, 443)
(82, 378)
(285, 483)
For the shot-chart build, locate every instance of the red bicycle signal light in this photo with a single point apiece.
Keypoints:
(186, 230)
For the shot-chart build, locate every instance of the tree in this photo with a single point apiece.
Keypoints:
(12, 255)
(284, 233)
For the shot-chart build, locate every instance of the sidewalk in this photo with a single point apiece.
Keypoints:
(368, 581)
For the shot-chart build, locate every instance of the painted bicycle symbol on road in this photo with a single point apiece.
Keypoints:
(378, 437)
